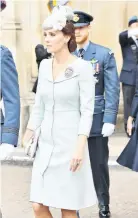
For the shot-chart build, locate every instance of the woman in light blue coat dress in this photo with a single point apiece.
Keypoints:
(64, 105)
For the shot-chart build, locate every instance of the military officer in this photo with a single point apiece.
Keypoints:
(129, 45)
(10, 103)
(106, 105)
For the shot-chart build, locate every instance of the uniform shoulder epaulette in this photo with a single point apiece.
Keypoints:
(3, 47)
(111, 52)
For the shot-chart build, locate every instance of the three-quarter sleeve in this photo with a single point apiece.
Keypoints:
(87, 96)
(11, 99)
(37, 113)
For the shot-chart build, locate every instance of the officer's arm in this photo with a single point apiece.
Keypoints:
(112, 89)
(11, 99)
(123, 38)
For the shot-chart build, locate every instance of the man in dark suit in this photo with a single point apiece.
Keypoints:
(106, 106)
(129, 45)
(10, 102)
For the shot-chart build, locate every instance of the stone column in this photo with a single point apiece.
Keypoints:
(9, 27)
(28, 14)
(132, 9)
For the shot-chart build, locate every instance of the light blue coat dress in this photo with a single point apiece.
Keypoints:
(64, 109)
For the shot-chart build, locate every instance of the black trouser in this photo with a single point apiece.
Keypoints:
(128, 94)
(99, 155)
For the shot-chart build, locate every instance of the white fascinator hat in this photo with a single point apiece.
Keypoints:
(59, 17)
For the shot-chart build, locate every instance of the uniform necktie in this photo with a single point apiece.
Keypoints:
(81, 53)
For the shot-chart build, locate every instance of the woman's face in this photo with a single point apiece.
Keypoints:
(55, 40)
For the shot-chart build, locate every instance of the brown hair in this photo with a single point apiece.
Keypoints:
(70, 30)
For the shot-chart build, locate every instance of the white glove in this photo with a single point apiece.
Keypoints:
(108, 129)
(6, 151)
(132, 32)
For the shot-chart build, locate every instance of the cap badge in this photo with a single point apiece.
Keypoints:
(76, 18)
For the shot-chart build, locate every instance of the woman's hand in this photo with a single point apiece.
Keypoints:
(78, 156)
(130, 125)
(27, 136)
(77, 159)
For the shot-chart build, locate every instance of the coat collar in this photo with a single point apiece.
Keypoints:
(70, 72)
(90, 52)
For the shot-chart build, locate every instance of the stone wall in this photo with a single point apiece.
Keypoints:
(21, 32)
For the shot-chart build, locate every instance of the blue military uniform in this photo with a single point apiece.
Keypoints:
(106, 107)
(10, 95)
(107, 86)
(128, 72)
(129, 156)
(9, 91)
(129, 69)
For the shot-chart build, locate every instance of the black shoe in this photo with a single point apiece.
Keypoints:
(104, 211)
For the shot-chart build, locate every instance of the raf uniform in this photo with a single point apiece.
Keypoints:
(106, 109)
(10, 95)
(129, 46)
(11, 100)
(9, 91)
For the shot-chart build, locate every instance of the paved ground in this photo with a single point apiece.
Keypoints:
(15, 194)
(15, 182)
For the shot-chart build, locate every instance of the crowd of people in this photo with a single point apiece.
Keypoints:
(76, 107)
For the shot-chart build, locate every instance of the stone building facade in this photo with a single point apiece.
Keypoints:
(21, 31)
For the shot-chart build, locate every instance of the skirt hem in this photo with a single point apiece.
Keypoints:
(65, 208)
